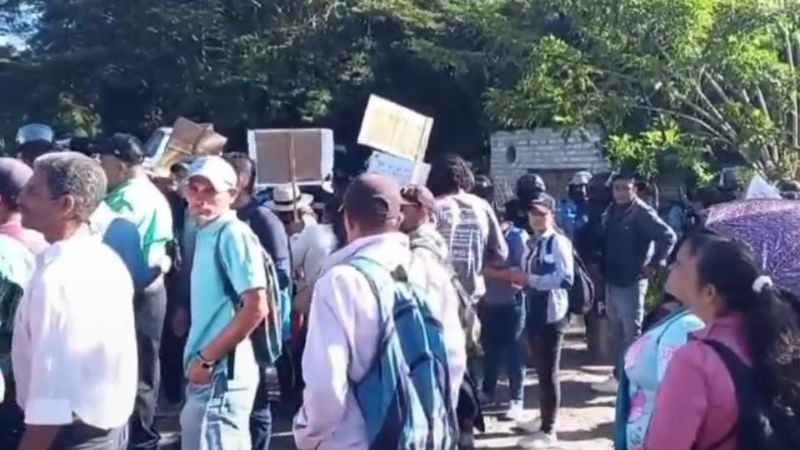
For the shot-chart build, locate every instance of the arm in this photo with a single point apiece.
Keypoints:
(299, 245)
(659, 232)
(681, 404)
(325, 362)
(564, 274)
(242, 260)
(496, 248)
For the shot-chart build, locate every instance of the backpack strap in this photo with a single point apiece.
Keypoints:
(743, 380)
(371, 270)
(227, 286)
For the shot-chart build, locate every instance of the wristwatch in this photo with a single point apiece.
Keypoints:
(205, 363)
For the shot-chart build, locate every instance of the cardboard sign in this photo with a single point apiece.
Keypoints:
(189, 139)
(402, 170)
(395, 129)
(313, 155)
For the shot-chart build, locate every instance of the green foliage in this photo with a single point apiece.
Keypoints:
(684, 78)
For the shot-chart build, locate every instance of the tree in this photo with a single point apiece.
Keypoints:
(669, 79)
(245, 63)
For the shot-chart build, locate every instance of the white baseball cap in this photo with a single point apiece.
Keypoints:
(216, 170)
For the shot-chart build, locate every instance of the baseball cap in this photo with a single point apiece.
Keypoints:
(216, 170)
(14, 175)
(542, 201)
(126, 147)
(418, 196)
(374, 196)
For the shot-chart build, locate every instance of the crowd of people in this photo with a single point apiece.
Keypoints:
(383, 315)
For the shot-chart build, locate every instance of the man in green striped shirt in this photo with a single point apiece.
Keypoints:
(133, 196)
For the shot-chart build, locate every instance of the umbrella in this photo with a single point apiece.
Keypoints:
(771, 228)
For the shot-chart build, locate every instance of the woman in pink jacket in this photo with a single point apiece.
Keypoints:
(696, 406)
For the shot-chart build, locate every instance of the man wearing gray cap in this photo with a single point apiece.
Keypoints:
(348, 367)
(14, 175)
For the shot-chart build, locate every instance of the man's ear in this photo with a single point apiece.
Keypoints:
(66, 205)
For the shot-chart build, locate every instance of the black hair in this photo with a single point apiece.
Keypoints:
(624, 176)
(770, 316)
(245, 169)
(448, 175)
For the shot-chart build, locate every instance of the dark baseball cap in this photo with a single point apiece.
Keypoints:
(542, 201)
(418, 196)
(373, 197)
(126, 147)
(14, 175)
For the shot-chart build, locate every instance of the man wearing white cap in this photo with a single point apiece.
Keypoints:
(219, 396)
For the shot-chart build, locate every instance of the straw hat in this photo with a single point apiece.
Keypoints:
(284, 198)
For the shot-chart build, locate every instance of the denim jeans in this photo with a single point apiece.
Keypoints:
(625, 310)
(501, 336)
(216, 416)
(79, 436)
(261, 417)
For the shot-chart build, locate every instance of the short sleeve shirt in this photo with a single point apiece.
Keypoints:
(242, 262)
(140, 201)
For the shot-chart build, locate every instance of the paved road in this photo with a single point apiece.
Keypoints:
(585, 420)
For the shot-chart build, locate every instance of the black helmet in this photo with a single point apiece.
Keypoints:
(529, 185)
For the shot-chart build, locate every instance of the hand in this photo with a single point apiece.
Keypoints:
(199, 374)
(180, 322)
(295, 227)
(518, 277)
(649, 272)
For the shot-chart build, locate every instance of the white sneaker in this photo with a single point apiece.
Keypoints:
(531, 426)
(539, 440)
(608, 386)
(515, 410)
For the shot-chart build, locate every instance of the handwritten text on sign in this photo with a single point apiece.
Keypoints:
(395, 129)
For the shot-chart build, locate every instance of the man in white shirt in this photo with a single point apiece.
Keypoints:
(343, 329)
(74, 344)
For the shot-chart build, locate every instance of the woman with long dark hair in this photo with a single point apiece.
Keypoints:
(751, 325)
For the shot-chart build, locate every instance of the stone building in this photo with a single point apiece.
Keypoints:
(552, 153)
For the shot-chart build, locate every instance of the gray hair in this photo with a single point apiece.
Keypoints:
(76, 175)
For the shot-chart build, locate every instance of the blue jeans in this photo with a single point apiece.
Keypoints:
(216, 415)
(261, 417)
(502, 328)
(625, 311)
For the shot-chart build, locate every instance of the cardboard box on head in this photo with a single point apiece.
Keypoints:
(395, 129)
(302, 156)
(189, 139)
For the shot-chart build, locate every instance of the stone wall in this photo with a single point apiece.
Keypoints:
(554, 154)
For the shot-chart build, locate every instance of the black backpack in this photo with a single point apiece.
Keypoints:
(762, 425)
(582, 291)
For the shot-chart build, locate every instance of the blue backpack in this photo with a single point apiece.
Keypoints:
(405, 394)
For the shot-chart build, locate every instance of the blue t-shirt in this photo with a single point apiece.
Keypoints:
(212, 310)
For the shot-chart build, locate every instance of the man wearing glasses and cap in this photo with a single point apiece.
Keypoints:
(133, 196)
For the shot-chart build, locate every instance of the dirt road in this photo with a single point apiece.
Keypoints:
(585, 420)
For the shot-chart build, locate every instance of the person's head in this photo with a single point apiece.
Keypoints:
(178, 173)
(29, 151)
(623, 188)
(529, 186)
(417, 208)
(63, 192)
(715, 276)
(119, 156)
(450, 174)
(484, 188)
(578, 188)
(372, 206)
(245, 169)
(210, 188)
(14, 175)
(541, 213)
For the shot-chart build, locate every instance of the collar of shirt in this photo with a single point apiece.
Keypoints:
(373, 247)
(58, 248)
